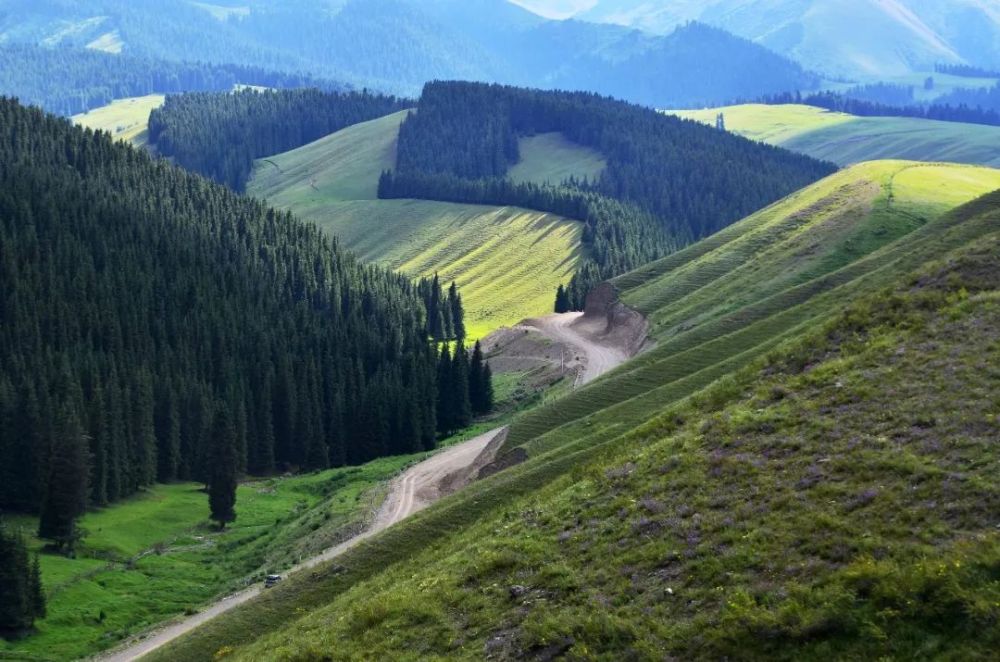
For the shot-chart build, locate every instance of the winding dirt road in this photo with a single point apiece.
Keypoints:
(420, 485)
(585, 335)
(412, 491)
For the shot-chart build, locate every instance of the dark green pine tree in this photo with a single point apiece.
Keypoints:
(223, 470)
(488, 396)
(21, 596)
(480, 383)
(445, 398)
(434, 317)
(562, 300)
(457, 313)
(67, 486)
(460, 388)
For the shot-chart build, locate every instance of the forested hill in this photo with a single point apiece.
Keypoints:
(138, 300)
(68, 81)
(219, 135)
(683, 180)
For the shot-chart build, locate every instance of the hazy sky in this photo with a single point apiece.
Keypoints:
(556, 8)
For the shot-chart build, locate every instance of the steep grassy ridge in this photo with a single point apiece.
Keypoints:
(835, 500)
(125, 119)
(716, 305)
(507, 261)
(851, 212)
(846, 139)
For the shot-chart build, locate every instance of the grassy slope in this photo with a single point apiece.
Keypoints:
(837, 500)
(178, 561)
(866, 247)
(507, 261)
(550, 157)
(125, 119)
(845, 139)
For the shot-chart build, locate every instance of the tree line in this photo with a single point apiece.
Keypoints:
(966, 71)
(70, 81)
(972, 107)
(620, 236)
(145, 309)
(219, 135)
(667, 182)
(21, 597)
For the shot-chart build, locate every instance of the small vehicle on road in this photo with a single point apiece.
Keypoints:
(271, 580)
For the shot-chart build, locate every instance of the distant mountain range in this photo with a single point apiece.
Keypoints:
(841, 37)
(398, 45)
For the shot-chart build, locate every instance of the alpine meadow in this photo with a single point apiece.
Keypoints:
(499, 330)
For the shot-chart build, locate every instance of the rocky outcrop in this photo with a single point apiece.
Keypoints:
(624, 327)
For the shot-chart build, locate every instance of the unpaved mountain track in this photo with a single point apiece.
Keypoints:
(412, 491)
(585, 335)
(424, 483)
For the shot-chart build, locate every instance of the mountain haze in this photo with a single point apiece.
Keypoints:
(398, 45)
(842, 37)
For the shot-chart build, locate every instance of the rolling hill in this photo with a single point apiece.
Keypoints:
(574, 548)
(507, 261)
(847, 139)
(849, 37)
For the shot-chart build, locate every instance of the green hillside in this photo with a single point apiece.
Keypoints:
(125, 119)
(846, 139)
(550, 157)
(507, 261)
(836, 500)
(596, 456)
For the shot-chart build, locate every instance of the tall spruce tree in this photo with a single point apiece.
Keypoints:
(480, 382)
(563, 304)
(445, 393)
(223, 470)
(460, 388)
(21, 597)
(457, 313)
(67, 485)
(488, 396)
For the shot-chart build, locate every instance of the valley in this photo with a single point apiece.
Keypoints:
(871, 239)
(506, 260)
(415, 488)
(499, 330)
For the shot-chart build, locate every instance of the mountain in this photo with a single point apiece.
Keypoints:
(792, 471)
(846, 38)
(398, 45)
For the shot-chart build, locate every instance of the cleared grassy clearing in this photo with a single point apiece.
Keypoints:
(872, 244)
(507, 261)
(846, 139)
(343, 166)
(109, 42)
(551, 158)
(125, 119)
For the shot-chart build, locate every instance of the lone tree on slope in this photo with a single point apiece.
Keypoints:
(223, 472)
(66, 492)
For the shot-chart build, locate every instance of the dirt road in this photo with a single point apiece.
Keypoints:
(585, 335)
(412, 491)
